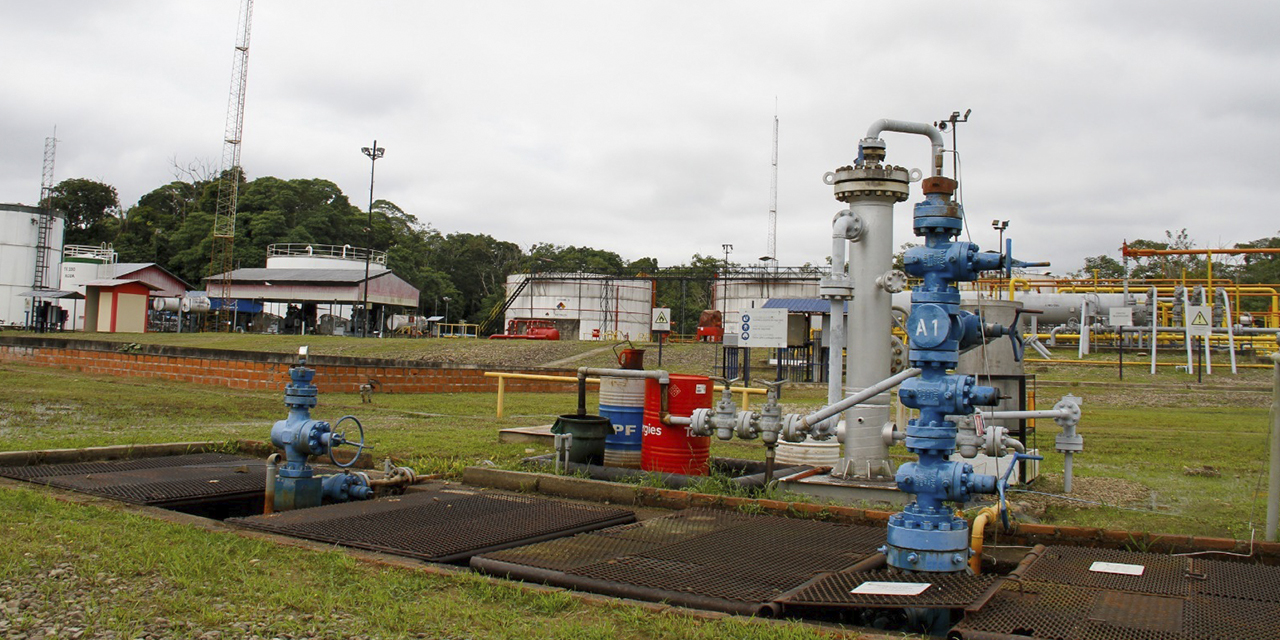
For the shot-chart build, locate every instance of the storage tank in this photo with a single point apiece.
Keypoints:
(584, 305)
(298, 255)
(19, 233)
(81, 264)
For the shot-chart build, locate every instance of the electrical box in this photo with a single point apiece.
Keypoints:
(797, 330)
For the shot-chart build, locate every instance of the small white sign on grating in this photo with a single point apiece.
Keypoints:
(891, 588)
(1117, 567)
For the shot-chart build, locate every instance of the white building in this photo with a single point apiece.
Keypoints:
(585, 306)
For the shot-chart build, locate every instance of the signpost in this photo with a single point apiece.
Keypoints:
(1120, 317)
(763, 328)
(660, 324)
(1200, 324)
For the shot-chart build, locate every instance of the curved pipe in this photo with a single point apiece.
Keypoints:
(269, 503)
(919, 128)
(987, 515)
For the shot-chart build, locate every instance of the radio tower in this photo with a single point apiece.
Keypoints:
(773, 196)
(221, 258)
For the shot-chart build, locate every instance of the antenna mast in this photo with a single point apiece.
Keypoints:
(773, 195)
(221, 258)
(45, 228)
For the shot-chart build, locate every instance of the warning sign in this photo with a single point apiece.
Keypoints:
(1201, 321)
(661, 319)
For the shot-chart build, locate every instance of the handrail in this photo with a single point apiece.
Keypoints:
(502, 376)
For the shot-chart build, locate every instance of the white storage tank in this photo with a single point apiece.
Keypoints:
(297, 255)
(586, 305)
(81, 264)
(19, 231)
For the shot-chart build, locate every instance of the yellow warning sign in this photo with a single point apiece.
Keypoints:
(1200, 324)
(661, 319)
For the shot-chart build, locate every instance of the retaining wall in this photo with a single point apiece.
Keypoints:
(264, 371)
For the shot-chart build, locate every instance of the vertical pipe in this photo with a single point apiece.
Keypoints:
(1155, 316)
(867, 337)
(835, 355)
(1231, 332)
(1186, 326)
(1273, 487)
(1208, 359)
(1067, 471)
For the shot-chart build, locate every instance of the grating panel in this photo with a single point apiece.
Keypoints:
(1236, 580)
(725, 556)
(31, 472)
(1163, 575)
(160, 481)
(1046, 611)
(1232, 619)
(952, 591)
(442, 525)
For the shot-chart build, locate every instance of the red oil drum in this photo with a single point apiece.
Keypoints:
(670, 448)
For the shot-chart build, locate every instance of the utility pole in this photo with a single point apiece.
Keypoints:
(222, 256)
(374, 153)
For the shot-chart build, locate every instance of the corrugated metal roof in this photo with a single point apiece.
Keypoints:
(115, 282)
(800, 305)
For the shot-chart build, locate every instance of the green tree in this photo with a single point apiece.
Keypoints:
(1103, 266)
(92, 209)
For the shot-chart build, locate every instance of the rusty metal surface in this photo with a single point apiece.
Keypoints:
(1181, 598)
(1163, 575)
(31, 472)
(708, 554)
(161, 481)
(951, 591)
(442, 525)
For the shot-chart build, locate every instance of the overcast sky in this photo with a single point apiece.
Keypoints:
(645, 128)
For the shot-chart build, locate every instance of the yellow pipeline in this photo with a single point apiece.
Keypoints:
(1015, 283)
(987, 515)
(1112, 363)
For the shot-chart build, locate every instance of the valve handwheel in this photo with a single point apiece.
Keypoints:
(339, 439)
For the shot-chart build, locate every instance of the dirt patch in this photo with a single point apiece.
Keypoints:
(1115, 492)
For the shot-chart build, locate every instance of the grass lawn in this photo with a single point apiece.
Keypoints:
(1166, 455)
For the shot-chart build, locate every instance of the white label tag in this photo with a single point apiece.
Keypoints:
(700, 389)
(1117, 567)
(891, 588)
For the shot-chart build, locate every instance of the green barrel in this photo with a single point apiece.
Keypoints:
(588, 436)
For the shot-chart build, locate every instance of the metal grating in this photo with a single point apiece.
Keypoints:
(1047, 611)
(31, 472)
(1232, 619)
(160, 481)
(722, 556)
(1164, 575)
(1236, 580)
(444, 525)
(952, 591)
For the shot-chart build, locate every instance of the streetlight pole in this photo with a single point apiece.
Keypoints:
(374, 153)
(446, 310)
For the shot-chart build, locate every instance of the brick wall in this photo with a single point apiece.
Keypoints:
(263, 371)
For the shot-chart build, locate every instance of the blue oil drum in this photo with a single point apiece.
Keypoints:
(622, 402)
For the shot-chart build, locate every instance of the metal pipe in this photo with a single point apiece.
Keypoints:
(1155, 315)
(880, 387)
(867, 331)
(977, 530)
(1067, 466)
(902, 126)
(1186, 324)
(269, 502)
(1273, 486)
(1026, 415)
(1231, 336)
